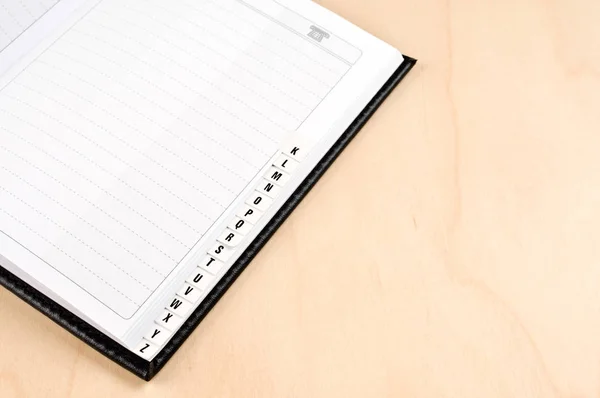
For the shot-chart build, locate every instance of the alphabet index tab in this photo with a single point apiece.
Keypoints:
(297, 147)
(169, 320)
(190, 293)
(157, 335)
(179, 306)
(146, 349)
(285, 163)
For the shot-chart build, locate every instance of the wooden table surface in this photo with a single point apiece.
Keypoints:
(465, 262)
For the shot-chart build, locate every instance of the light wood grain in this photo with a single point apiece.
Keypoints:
(452, 251)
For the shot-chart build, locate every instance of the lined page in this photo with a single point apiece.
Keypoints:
(124, 141)
(16, 16)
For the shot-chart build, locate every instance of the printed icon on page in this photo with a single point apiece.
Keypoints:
(318, 34)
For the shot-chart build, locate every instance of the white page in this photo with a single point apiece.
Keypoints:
(16, 16)
(126, 139)
(43, 28)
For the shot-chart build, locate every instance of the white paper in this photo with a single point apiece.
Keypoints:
(16, 16)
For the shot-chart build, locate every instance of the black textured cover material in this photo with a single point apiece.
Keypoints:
(147, 370)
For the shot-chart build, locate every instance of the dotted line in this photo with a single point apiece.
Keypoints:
(84, 243)
(134, 148)
(285, 93)
(235, 116)
(237, 48)
(101, 168)
(5, 33)
(87, 222)
(227, 76)
(125, 143)
(224, 40)
(69, 256)
(86, 200)
(102, 148)
(27, 9)
(148, 118)
(156, 104)
(141, 133)
(10, 14)
(276, 38)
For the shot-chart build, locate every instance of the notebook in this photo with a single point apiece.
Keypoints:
(149, 149)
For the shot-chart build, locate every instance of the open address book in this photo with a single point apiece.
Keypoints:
(149, 148)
